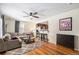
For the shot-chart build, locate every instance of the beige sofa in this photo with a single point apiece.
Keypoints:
(8, 44)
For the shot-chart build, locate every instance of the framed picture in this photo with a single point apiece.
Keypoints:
(65, 24)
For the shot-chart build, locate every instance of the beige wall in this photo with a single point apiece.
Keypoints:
(53, 25)
(10, 24)
(26, 27)
(29, 26)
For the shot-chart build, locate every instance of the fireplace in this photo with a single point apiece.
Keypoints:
(65, 40)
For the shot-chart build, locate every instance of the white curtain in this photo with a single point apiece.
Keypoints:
(0, 27)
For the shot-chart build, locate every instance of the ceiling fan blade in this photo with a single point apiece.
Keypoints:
(35, 16)
(25, 12)
(35, 13)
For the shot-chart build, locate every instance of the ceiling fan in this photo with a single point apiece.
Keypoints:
(32, 14)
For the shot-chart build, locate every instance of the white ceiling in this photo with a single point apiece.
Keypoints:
(44, 10)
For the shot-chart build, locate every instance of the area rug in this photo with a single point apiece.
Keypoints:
(24, 49)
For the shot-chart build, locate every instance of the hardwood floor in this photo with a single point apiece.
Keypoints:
(52, 49)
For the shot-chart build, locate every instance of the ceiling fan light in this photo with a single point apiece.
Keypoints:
(31, 13)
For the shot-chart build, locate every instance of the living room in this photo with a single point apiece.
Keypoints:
(49, 23)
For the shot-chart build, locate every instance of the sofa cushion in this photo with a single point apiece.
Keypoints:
(13, 35)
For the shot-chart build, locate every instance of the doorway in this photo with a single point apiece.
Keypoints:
(42, 31)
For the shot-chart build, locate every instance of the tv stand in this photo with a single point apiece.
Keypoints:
(65, 40)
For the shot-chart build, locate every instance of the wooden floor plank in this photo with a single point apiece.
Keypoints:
(38, 52)
(44, 51)
(63, 49)
(55, 49)
(32, 53)
(52, 49)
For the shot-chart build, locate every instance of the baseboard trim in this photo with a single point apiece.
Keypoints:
(52, 42)
(77, 49)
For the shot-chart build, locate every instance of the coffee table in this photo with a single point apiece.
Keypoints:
(27, 41)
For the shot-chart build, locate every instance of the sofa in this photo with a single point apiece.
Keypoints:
(7, 43)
